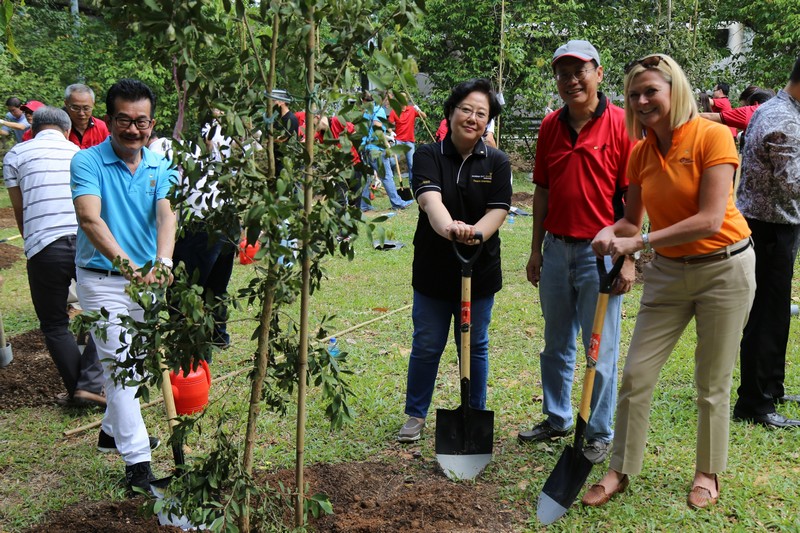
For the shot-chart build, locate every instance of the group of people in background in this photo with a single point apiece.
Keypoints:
(91, 201)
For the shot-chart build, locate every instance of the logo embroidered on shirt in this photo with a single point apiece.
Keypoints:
(482, 178)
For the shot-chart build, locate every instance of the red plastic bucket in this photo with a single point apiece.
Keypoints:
(191, 389)
(247, 252)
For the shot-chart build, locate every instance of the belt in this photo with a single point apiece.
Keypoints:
(101, 271)
(570, 240)
(719, 255)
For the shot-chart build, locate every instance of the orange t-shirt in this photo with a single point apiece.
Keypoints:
(671, 185)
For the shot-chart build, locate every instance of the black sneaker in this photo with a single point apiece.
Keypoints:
(106, 444)
(139, 476)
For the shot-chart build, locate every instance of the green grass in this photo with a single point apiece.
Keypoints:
(41, 471)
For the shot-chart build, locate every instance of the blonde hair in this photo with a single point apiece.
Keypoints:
(683, 107)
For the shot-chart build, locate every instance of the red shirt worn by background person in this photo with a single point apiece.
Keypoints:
(301, 124)
(441, 131)
(739, 117)
(96, 132)
(404, 123)
(720, 105)
(582, 179)
(336, 128)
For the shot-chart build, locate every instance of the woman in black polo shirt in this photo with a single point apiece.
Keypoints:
(462, 187)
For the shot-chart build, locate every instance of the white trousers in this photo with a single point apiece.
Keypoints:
(123, 416)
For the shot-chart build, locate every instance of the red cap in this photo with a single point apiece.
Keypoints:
(31, 106)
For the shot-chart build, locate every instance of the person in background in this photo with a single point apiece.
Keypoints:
(740, 117)
(719, 101)
(703, 268)
(36, 175)
(769, 199)
(580, 177)
(120, 189)
(373, 153)
(86, 130)
(29, 108)
(14, 121)
(462, 187)
(404, 125)
(441, 131)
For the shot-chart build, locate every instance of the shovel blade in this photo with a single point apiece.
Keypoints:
(464, 441)
(563, 485)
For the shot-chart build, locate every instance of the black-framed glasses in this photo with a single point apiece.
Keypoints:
(580, 75)
(125, 122)
(468, 112)
(78, 108)
(646, 62)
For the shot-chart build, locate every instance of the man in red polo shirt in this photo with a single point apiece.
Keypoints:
(86, 130)
(404, 129)
(580, 176)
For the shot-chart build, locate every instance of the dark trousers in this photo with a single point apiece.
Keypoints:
(214, 263)
(763, 347)
(50, 273)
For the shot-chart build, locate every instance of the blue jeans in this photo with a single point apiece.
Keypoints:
(568, 290)
(409, 157)
(371, 158)
(432, 318)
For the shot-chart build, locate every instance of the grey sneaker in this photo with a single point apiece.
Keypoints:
(411, 430)
(596, 451)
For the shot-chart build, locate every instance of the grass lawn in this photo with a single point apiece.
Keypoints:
(40, 470)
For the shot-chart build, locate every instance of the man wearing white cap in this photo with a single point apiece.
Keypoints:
(580, 177)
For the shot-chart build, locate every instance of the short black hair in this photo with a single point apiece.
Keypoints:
(748, 92)
(760, 96)
(724, 87)
(130, 90)
(463, 89)
(794, 77)
(13, 102)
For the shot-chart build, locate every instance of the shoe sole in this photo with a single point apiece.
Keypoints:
(409, 439)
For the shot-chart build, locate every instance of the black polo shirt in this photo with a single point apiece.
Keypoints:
(469, 187)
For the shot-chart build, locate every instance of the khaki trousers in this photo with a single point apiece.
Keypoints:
(718, 295)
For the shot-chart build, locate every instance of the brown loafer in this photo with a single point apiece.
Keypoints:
(700, 497)
(596, 495)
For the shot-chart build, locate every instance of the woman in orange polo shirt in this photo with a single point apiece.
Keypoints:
(681, 172)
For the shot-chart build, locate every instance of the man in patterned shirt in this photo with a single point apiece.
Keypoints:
(769, 198)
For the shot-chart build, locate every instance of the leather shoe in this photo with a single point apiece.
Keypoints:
(596, 495)
(774, 420)
(542, 431)
(789, 398)
(700, 497)
(81, 398)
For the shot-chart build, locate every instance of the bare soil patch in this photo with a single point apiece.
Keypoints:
(7, 219)
(31, 380)
(369, 497)
(523, 200)
(9, 254)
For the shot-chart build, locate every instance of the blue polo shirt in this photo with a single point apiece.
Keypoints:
(128, 201)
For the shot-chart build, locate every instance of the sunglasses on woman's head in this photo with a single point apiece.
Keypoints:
(646, 62)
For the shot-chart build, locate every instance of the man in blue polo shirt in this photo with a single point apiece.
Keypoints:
(120, 189)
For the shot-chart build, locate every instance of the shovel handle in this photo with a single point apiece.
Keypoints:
(172, 413)
(467, 262)
(466, 313)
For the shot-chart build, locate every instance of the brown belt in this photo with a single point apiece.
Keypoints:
(570, 240)
(725, 253)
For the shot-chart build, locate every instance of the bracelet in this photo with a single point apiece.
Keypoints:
(646, 241)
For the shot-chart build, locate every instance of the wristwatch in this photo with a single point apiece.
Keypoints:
(166, 261)
(646, 241)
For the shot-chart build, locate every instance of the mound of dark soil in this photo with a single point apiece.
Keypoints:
(31, 380)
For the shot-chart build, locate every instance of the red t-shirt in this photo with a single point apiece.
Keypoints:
(582, 179)
(739, 117)
(96, 132)
(335, 127)
(441, 131)
(301, 124)
(404, 124)
(720, 105)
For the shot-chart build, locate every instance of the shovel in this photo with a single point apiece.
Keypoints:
(572, 469)
(465, 436)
